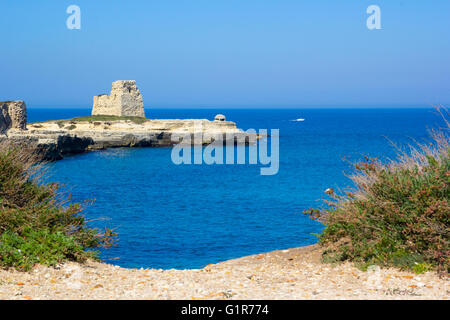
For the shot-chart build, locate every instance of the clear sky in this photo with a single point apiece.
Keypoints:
(227, 53)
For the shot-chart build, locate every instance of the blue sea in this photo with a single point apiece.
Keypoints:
(188, 216)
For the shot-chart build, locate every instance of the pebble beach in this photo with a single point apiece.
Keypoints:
(284, 274)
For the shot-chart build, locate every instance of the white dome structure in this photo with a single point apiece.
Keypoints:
(219, 117)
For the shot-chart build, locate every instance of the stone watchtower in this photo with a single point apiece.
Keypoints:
(125, 100)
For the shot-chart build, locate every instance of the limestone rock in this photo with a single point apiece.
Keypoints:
(54, 139)
(13, 114)
(125, 100)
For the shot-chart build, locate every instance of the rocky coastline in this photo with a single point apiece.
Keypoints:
(117, 120)
(55, 139)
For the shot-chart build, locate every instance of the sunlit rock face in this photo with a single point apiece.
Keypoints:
(125, 100)
(13, 115)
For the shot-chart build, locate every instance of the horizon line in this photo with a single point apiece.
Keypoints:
(311, 106)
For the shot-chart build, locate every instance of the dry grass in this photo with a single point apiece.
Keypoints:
(398, 213)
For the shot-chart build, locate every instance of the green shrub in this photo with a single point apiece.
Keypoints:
(398, 214)
(94, 118)
(137, 120)
(42, 246)
(38, 223)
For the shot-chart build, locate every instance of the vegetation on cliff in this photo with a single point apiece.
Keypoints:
(38, 223)
(137, 120)
(95, 118)
(398, 213)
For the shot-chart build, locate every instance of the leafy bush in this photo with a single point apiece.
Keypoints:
(398, 214)
(38, 224)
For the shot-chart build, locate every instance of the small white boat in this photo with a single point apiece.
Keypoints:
(298, 120)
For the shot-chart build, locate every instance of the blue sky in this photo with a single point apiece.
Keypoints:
(227, 53)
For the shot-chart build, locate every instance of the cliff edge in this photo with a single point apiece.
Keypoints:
(13, 114)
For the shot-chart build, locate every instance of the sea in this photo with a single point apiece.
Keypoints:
(190, 215)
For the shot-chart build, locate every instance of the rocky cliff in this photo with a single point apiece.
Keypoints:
(125, 100)
(54, 139)
(118, 121)
(13, 114)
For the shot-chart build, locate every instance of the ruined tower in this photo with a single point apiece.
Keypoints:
(125, 100)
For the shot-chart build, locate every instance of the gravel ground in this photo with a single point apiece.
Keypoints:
(284, 274)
